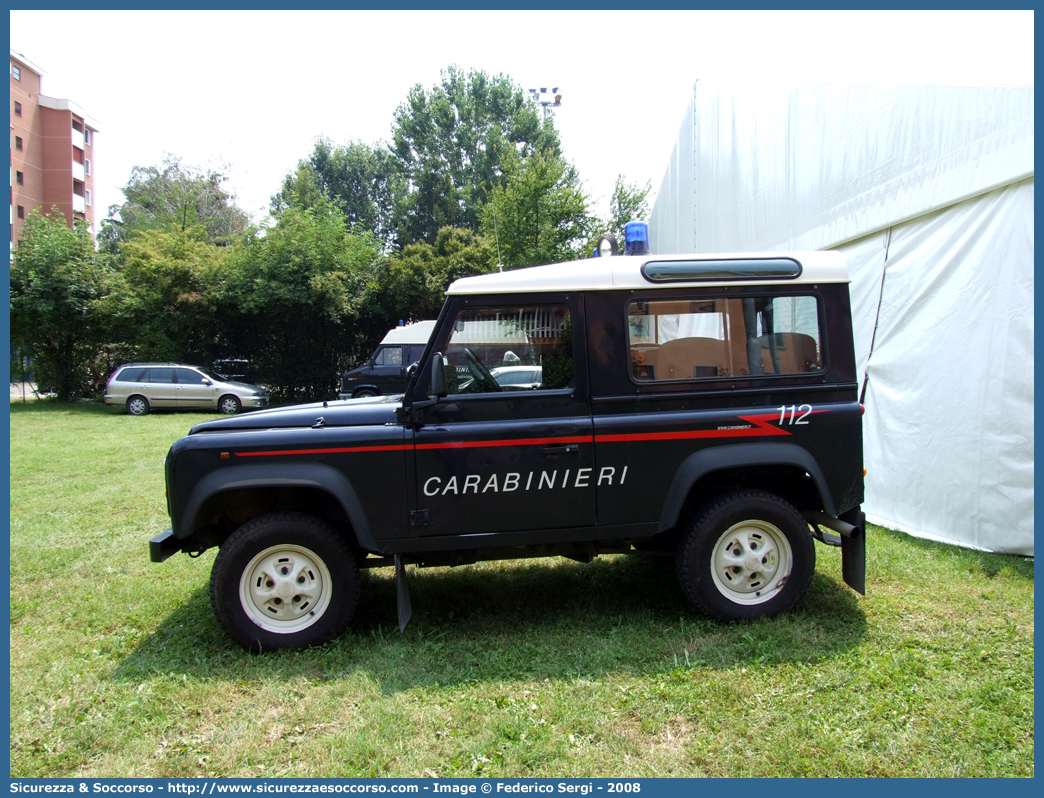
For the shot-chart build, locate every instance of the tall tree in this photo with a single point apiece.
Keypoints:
(164, 302)
(289, 298)
(451, 142)
(57, 280)
(364, 182)
(540, 213)
(173, 198)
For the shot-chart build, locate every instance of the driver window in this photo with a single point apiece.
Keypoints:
(489, 348)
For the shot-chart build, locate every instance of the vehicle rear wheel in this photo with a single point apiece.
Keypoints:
(229, 405)
(747, 555)
(138, 406)
(364, 392)
(284, 580)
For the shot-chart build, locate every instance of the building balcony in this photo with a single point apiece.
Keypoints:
(77, 169)
(79, 204)
(77, 138)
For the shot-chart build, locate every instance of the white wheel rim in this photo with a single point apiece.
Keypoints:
(751, 561)
(137, 406)
(228, 406)
(285, 589)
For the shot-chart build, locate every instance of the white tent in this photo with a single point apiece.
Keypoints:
(928, 191)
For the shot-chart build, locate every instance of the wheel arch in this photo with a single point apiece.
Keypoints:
(310, 485)
(778, 463)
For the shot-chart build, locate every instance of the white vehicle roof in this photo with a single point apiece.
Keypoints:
(628, 272)
(417, 333)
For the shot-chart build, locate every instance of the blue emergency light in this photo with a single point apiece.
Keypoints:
(636, 238)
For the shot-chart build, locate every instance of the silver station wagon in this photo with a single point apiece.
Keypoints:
(142, 386)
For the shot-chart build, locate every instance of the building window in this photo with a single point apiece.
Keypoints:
(86, 166)
(21, 211)
(16, 72)
(20, 178)
(18, 108)
(87, 197)
(77, 126)
(18, 142)
(87, 136)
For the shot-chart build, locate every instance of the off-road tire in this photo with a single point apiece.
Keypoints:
(284, 580)
(746, 555)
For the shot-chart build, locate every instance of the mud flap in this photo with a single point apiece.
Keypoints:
(402, 593)
(853, 552)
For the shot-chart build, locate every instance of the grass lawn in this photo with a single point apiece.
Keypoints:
(534, 668)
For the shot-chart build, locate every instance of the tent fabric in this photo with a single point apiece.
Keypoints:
(776, 166)
(928, 192)
(948, 429)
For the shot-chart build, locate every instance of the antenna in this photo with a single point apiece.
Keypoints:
(496, 236)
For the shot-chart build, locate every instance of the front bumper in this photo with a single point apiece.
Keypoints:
(255, 401)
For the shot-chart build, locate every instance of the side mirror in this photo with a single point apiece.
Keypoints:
(438, 376)
(412, 369)
(207, 382)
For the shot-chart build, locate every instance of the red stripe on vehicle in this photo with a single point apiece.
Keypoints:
(761, 428)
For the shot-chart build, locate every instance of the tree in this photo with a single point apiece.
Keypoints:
(452, 142)
(289, 296)
(412, 287)
(364, 182)
(163, 304)
(539, 215)
(173, 198)
(57, 281)
(627, 203)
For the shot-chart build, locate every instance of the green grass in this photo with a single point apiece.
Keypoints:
(534, 668)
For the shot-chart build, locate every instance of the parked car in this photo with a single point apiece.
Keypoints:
(512, 378)
(700, 406)
(142, 386)
(385, 371)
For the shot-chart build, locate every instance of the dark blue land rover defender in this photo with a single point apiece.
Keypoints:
(704, 406)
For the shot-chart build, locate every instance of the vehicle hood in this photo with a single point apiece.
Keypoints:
(243, 386)
(347, 413)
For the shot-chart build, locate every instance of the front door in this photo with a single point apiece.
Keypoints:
(387, 371)
(496, 458)
(194, 389)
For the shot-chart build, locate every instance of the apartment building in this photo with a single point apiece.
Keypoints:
(52, 151)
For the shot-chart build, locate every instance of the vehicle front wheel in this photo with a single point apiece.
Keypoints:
(364, 392)
(747, 555)
(138, 406)
(284, 580)
(229, 405)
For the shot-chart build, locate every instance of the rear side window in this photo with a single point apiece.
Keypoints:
(161, 375)
(692, 339)
(133, 374)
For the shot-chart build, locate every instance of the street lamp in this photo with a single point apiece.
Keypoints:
(546, 99)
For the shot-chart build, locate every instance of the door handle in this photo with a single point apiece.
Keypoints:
(558, 451)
